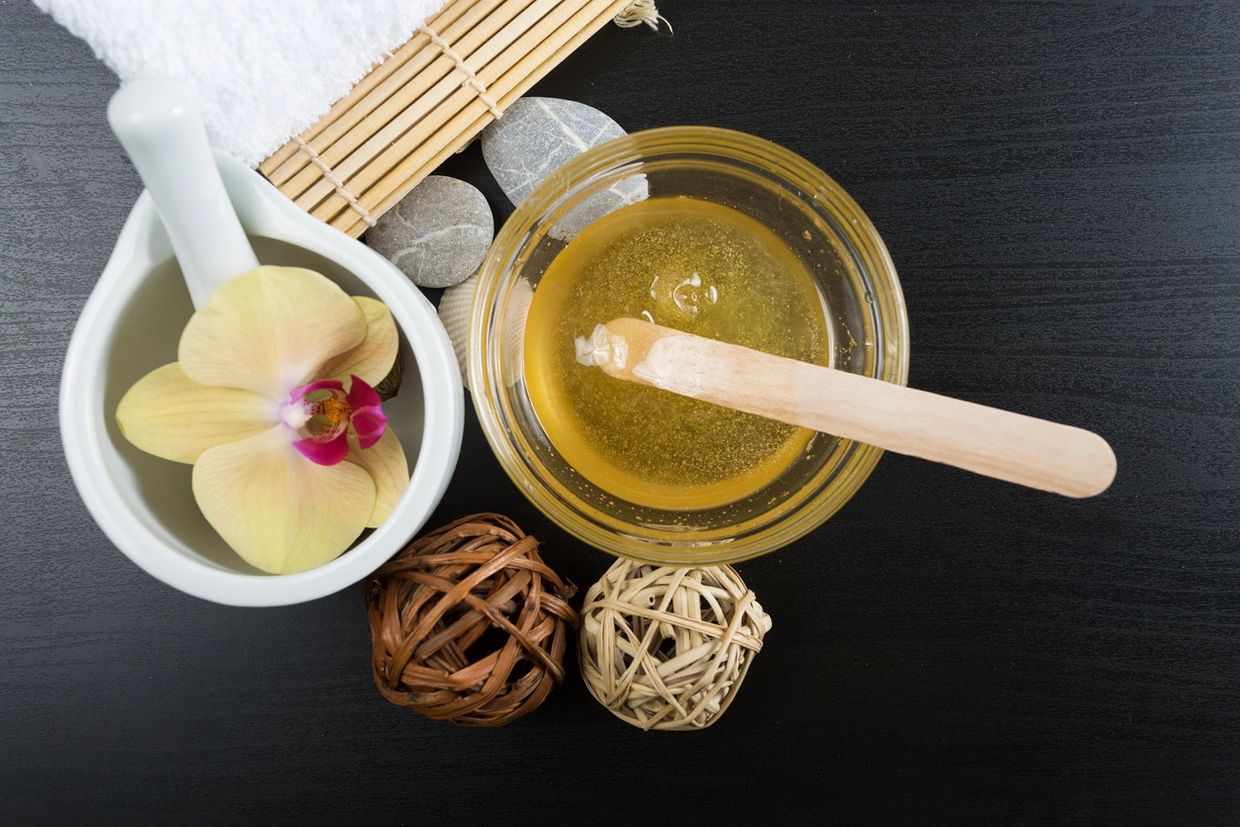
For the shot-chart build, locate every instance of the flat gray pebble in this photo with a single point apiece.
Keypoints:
(438, 234)
(538, 135)
(626, 191)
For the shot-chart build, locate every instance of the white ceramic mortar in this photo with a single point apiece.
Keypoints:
(131, 324)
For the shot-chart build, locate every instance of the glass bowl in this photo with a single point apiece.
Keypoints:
(810, 212)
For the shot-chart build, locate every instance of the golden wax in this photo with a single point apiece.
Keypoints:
(695, 266)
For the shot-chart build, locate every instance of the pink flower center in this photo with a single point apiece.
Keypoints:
(324, 417)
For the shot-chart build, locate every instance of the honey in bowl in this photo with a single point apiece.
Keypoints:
(696, 266)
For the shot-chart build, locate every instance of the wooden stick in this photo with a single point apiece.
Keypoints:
(526, 72)
(411, 117)
(418, 92)
(271, 167)
(1000, 444)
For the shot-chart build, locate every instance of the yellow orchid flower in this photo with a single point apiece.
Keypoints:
(289, 468)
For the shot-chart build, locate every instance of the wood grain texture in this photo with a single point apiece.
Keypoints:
(1059, 184)
(1005, 445)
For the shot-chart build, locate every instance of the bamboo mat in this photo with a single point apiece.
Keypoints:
(432, 97)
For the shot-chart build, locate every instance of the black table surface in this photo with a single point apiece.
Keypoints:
(1059, 185)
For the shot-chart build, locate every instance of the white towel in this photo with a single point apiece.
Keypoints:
(264, 70)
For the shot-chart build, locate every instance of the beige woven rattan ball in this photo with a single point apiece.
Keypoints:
(668, 648)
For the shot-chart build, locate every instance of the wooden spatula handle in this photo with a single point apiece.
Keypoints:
(1001, 444)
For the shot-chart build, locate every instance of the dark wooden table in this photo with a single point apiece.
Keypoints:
(1059, 184)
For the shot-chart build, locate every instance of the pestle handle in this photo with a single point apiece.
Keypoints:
(1000, 444)
(160, 125)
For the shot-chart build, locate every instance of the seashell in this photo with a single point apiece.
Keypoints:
(455, 308)
(438, 234)
(514, 330)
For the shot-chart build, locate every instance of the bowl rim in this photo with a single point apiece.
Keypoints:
(263, 212)
(496, 272)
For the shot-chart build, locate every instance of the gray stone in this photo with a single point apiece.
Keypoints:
(438, 234)
(537, 136)
(596, 205)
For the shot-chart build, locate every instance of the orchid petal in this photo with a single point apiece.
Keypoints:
(368, 424)
(362, 395)
(373, 358)
(324, 452)
(167, 414)
(278, 510)
(268, 329)
(385, 462)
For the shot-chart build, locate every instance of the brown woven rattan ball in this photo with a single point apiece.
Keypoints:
(668, 648)
(468, 624)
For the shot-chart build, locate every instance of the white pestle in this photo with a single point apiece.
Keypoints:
(159, 123)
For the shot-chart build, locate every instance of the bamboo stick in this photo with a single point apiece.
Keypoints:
(363, 88)
(404, 158)
(402, 155)
(384, 80)
(418, 107)
(395, 191)
(322, 200)
(372, 113)
(384, 126)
